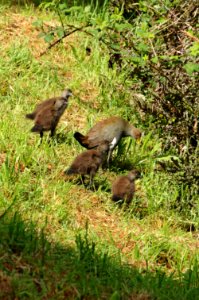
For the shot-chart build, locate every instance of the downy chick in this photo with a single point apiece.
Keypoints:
(123, 187)
(48, 113)
(88, 162)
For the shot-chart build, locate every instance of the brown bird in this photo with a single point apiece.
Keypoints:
(123, 187)
(48, 113)
(111, 129)
(88, 162)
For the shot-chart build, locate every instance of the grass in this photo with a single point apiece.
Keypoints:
(58, 239)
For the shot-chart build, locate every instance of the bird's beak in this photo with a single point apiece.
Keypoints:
(140, 139)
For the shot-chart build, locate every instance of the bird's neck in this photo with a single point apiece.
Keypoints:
(129, 130)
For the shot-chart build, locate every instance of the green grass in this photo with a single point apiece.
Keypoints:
(58, 239)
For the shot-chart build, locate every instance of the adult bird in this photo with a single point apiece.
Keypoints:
(111, 129)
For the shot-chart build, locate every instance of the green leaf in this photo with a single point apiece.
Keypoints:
(46, 5)
(161, 21)
(60, 32)
(155, 59)
(116, 17)
(174, 57)
(48, 38)
(115, 46)
(74, 8)
(95, 32)
(194, 49)
(37, 23)
(142, 47)
(121, 27)
(191, 68)
(87, 9)
(41, 34)
(115, 296)
(167, 158)
(62, 6)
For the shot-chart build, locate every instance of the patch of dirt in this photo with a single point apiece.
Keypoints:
(21, 27)
(75, 118)
(88, 94)
(6, 290)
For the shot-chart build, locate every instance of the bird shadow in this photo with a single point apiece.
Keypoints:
(119, 165)
(101, 184)
(60, 138)
(98, 184)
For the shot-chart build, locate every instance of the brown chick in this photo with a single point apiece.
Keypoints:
(123, 187)
(88, 162)
(111, 129)
(48, 113)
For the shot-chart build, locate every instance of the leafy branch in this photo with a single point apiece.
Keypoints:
(65, 34)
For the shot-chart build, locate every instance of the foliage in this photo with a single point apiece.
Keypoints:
(160, 53)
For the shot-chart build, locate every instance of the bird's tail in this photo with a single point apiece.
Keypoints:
(116, 198)
(31, 116)
(81, 139)
(69, 171)
(37, 128)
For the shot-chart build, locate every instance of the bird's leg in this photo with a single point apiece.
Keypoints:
(112, 145)
(91, 183)
(109, 156)
(128, 199)
(52, 131)
(41, 134)
(91, 180)
(82, 179)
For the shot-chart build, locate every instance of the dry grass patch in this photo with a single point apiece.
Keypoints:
(75, 117)
(20, 27)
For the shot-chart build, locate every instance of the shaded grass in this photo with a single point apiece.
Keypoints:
(33, 267)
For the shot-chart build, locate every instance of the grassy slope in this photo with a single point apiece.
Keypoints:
(147, 235)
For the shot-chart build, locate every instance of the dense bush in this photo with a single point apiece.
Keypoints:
(160, 53)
